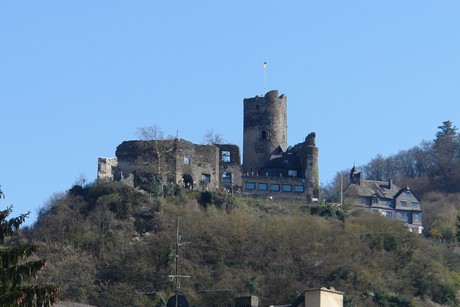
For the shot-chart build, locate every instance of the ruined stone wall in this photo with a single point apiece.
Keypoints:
(264, 129)
(156, 157)
(106, 168)
(230, 164)
(199, 162)
(174, 160)
(308, 156)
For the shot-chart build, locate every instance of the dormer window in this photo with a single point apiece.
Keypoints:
(375, 200)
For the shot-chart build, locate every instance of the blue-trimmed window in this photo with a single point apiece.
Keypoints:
(263, 186)
(287, 188)
(250, 186)
(275, 187)
(299, 188)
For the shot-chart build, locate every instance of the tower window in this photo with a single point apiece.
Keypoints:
(264, 135)
(226, 156)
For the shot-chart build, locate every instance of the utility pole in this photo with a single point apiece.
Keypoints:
(176, 276)
(341, 189)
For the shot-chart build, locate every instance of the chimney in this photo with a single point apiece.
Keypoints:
(247, 301)
(323, 297)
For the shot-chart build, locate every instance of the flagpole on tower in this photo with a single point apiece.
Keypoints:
(265, 78)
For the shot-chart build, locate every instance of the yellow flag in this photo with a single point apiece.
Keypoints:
(265, 64)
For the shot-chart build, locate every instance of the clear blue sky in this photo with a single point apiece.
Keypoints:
(79, 77)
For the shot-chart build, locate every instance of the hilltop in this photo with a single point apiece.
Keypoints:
(113, 245)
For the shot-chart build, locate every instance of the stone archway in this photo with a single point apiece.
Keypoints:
(187, 181)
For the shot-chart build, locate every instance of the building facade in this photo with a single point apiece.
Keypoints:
(385, 197)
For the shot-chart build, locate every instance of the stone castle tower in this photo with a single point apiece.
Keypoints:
(264, 129)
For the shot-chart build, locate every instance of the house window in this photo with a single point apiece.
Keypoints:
(389, 214)
(375, 200)
(287, 188)
(404, 216)
(274, 187)
(417, 218)
(298, 188)
(292, 173)
(403, 203)
(186, 160)
(263, 186)
(416, 204)
(250, 186)
(226, 156)
(227, 178)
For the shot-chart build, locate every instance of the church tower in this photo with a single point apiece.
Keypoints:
(264, 129)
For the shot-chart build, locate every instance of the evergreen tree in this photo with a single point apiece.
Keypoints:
(16, 271)
(446, 140)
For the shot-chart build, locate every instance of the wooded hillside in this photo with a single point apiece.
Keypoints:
(112, 245)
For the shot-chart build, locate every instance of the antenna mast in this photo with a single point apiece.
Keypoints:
(176, 276)
(265, 78)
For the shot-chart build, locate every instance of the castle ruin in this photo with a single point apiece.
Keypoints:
(270, 168)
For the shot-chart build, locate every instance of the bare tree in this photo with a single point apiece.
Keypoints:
(213, 138)
(156, 140)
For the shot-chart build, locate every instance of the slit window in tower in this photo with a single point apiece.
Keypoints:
(264, 135)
